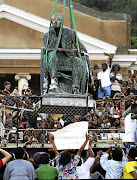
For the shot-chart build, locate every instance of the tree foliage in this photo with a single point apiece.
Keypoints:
(117, 6)
(134, 42)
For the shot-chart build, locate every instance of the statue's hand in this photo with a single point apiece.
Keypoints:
(102, 89)
(52, 38)
(52, 31)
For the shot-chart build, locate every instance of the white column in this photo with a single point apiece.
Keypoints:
(22, 79)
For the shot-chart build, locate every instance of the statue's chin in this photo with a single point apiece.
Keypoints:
(56, 25)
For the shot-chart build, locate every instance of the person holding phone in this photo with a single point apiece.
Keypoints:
(116, 80)
(113, 162)
(133, 84)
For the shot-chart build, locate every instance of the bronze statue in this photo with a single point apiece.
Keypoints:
(66, 58)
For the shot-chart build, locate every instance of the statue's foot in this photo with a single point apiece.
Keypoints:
(76, 91)
(54, 84)
(56, 90)
(52, 90)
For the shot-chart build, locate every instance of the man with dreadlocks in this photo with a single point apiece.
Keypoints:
(62, 55)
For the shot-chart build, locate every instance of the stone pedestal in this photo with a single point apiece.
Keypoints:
(66, 104)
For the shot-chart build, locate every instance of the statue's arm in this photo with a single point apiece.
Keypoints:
(88, 62)
(52, 41)
(81, 46)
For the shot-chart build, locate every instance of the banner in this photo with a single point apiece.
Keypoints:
(71, 136)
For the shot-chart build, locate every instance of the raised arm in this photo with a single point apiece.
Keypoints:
(51, 138)
(90, 151)
(83, 145)
(126, 112)
(110, 60)
(7, 156)
(99, 153)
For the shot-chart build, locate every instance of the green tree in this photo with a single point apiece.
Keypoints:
(134, 42)
(117, 6)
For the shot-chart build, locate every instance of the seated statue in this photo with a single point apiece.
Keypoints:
(64, 55)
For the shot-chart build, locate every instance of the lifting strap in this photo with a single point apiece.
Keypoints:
(73, 24)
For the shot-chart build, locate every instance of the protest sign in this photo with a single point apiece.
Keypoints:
(71, 136)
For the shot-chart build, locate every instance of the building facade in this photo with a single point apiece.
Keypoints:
(24, 22)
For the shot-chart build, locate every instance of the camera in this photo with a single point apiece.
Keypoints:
(107, 125)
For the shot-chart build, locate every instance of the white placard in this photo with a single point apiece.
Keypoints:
(71, 136)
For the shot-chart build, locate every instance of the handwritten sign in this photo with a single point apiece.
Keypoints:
(71, 136)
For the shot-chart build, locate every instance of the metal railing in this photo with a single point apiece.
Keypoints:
(28, 109)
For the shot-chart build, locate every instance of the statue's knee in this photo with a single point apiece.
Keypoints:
(52, 62)
(77, 61)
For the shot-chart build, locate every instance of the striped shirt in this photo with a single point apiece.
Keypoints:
(115, 86)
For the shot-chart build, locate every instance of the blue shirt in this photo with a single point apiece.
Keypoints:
(113, 168)
(19, 169)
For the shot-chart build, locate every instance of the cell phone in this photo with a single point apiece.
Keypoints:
(132, 71)
(39, 118)
(116, 116)
(93, 132)
(55, 125)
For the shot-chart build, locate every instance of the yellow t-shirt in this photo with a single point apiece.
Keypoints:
(129, 167)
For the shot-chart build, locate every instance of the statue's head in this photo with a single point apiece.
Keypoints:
(56, 20)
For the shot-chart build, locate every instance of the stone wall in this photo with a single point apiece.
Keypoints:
(110, 28)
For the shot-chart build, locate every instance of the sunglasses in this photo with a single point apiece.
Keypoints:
(56, 20)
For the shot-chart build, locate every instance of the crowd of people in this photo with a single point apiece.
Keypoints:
(109, 83)
(69, 164)
(112, 100)
(115, 105)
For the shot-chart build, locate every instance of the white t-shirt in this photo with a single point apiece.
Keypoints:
(130, 129)
(105, 77)
(84, 170)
